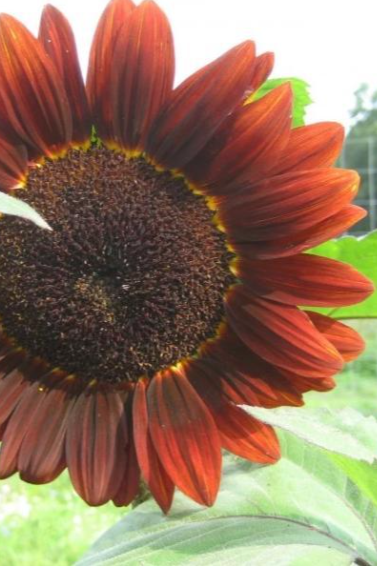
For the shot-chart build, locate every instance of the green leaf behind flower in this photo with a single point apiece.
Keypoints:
(309, 508)
(346, 432)
(301, 97)
(361, 253)
(15, 207)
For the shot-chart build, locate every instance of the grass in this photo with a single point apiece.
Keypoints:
(45, 525)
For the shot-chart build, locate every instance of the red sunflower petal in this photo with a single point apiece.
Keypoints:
(310, 147)
(345, 339)
(329, 228)
(13, 165)
(161, 486)
(12, 387)
(245, 377)
(198, 107)
(245, 436)
(198, 168)
(101, 64)
(304, 280)
(248, 379)
(10, 360)
(144, 73)
(247, 145)
(31, 90)
(262, 68)
(260, 390)
(96, 438)
(240, 433)
(2, 430)
(17, 428)
(184, 435)
(58, 41)
(281, 334)
(287, 204)
(42, 456)
(130, 484)
(316, 383)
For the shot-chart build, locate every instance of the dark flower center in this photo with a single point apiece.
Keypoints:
(130, 281)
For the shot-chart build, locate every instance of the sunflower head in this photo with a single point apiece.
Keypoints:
(172, 285)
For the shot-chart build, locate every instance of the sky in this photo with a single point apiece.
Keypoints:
(332, 44)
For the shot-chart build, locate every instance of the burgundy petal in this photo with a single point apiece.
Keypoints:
(95, 442)
(240, 433)
(328, 228)
(281, 334)
(143, 75)
(12, 387)
(42, 453)
(129, 486)
(345, 339)
(101, 64)
(184, 435)
(32, 91)
(13, 165)
(247, 144)
(17, 428)
(262, 68)
(161, 486)
(245, 377)
(198, 107)
(58, 41)
(310, 147)
(245, 436)
(304, 280)
(288, 204)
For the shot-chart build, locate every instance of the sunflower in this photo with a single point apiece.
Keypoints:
(170, 289)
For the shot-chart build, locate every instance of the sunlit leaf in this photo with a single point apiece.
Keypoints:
(301, 97)
(346, 432)
(304, 510)
(15, 207)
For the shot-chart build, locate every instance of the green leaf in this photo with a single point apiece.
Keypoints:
(361, 253)
(15, 207)
(306, 509)
(301, 97)
(362, 474)
(344, 432)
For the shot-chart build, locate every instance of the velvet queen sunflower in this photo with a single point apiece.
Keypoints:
(172, 285)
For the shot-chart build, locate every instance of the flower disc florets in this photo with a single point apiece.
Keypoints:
(130, 281)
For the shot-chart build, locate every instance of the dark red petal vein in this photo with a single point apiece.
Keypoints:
(184, 435)
(281, 334)
(161, 486)
(310, 147)
(246, 146)
(96, 438)
(56, 36)
(345, 339)
(285, 205)
(101, 64)
(293, 244)
(304, 280)
(143, 76)
(198, 107)
(32, 91)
